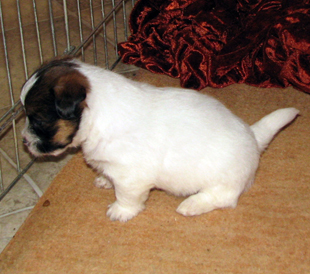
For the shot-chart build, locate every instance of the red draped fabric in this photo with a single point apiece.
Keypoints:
(220, 42)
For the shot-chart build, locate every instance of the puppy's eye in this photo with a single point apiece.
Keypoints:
(37, 122)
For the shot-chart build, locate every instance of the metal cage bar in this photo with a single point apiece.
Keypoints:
(51, 17)
(37, 30)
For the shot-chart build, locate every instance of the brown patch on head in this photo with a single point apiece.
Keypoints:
(59, 81)
(65, 130)
(70, 92)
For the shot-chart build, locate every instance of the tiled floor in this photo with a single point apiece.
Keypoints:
(17, 204)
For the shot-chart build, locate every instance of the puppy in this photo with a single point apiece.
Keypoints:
(140, 137)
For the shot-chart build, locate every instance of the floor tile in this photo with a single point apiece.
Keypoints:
(9, 226)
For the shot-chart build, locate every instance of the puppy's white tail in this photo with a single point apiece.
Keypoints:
(266, 128)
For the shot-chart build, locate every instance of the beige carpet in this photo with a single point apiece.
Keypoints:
(268, 232)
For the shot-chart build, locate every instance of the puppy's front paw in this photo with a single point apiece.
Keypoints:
(102, 182)
(116, 212)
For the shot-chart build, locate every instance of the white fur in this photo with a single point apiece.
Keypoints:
(31, 81)
(141, 137)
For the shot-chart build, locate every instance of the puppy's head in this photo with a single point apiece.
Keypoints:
(54, 99)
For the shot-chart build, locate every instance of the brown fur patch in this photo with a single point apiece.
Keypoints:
(72, 84)
(61, 76)
(65, 129)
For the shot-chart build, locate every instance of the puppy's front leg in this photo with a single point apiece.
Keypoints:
(129, 202)
(102, 182)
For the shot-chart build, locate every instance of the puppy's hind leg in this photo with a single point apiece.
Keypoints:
(208, 200)
(129, 202)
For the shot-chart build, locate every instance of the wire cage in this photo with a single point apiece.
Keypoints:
(33, 31)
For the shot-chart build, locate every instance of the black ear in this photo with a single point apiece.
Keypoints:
(70, 93)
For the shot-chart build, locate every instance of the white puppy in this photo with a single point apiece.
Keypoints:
(140, 137)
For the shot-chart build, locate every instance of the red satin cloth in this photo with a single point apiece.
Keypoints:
(221, 42)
